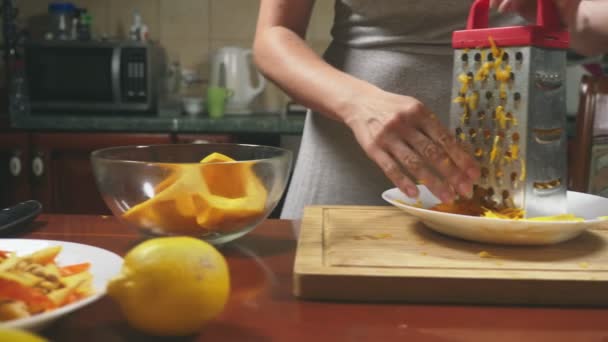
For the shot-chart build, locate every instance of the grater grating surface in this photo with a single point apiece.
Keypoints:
(509, 107)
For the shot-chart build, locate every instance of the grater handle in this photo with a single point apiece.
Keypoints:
(547, 15)
(478, 15)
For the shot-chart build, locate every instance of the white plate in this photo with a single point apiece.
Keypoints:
(493, 230)
(104, 266)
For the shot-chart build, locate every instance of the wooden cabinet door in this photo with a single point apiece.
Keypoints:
(63, 176)
(14, 168)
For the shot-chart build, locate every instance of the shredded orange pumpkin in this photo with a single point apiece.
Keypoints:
(480, 204)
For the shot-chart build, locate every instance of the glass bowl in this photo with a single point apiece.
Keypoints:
(216, 192)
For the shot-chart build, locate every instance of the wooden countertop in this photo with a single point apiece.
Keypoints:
(262, 307)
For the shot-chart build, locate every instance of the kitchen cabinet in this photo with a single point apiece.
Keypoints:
(14, 172)
(202, 138)
(55, 168)
(62, 176)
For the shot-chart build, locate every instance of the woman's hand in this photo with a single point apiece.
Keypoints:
(587, 21)
(409, 143)
(527, 8)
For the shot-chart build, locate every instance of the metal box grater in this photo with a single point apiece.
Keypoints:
(509, 106)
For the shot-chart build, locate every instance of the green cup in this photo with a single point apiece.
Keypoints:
(216, 100)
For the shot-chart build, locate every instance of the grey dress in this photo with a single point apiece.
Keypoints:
(402, 46)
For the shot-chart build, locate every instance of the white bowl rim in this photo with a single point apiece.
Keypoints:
(386, 197)
(29, 323)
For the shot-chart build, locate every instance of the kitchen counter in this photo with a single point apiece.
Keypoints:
(251, 123)
(262, 307)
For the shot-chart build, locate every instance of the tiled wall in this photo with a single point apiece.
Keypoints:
(189, 29)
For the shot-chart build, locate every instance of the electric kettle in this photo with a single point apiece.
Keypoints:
(232, 67)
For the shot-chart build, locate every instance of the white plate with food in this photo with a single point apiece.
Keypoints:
(590, 211)
(43, 280)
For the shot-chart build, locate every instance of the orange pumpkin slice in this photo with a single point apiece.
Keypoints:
(208, 198)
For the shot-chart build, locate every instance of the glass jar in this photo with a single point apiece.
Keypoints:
(61, 14)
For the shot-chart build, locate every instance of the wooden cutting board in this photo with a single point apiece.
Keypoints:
(382, 254)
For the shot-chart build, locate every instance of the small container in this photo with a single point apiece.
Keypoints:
(61, 14)
(193, 106)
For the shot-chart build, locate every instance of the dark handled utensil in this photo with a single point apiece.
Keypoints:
(19, 215)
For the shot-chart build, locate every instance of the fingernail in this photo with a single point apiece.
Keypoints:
(502, 8)
(465, 189)
(446, 197)
(473, 173)
(411, 191)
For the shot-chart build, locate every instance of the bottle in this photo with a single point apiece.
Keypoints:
(74, 28)
(61, 15)
(139, 30)
(84, 25)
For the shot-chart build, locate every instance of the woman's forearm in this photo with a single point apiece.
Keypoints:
(590, 27)
(284, 57)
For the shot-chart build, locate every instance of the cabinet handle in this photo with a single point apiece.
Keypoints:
(14, 165)
(38, 166)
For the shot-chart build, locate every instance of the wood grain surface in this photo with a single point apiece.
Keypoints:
(381, 253)
(262, 308)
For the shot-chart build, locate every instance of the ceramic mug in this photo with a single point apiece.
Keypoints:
(216, 100)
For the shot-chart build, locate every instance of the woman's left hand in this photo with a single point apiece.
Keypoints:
(527, 8)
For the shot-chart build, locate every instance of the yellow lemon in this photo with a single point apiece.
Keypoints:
(171, 286)
(15, 335)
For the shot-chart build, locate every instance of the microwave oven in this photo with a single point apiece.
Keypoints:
(95, 76)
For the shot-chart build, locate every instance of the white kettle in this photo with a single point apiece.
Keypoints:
(232, 67)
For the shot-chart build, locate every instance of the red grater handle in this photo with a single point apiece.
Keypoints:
(547, 32)
(547, 15)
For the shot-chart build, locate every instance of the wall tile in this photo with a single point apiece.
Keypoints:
(32, 7)
(233, 19)
(190, 55)
(321, 21)
(33, 15)
(319, 46)
(272, 99)
(215, 44)
(184, 32)
(184, 19)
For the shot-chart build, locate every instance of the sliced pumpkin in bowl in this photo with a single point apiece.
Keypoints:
(191, 200)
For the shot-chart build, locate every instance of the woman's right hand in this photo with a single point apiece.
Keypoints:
(410, 144)
(397, 132)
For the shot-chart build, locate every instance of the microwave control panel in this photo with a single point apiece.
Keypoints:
(134, 74)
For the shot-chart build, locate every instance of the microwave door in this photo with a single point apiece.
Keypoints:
(70, 78)
(101, 77)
